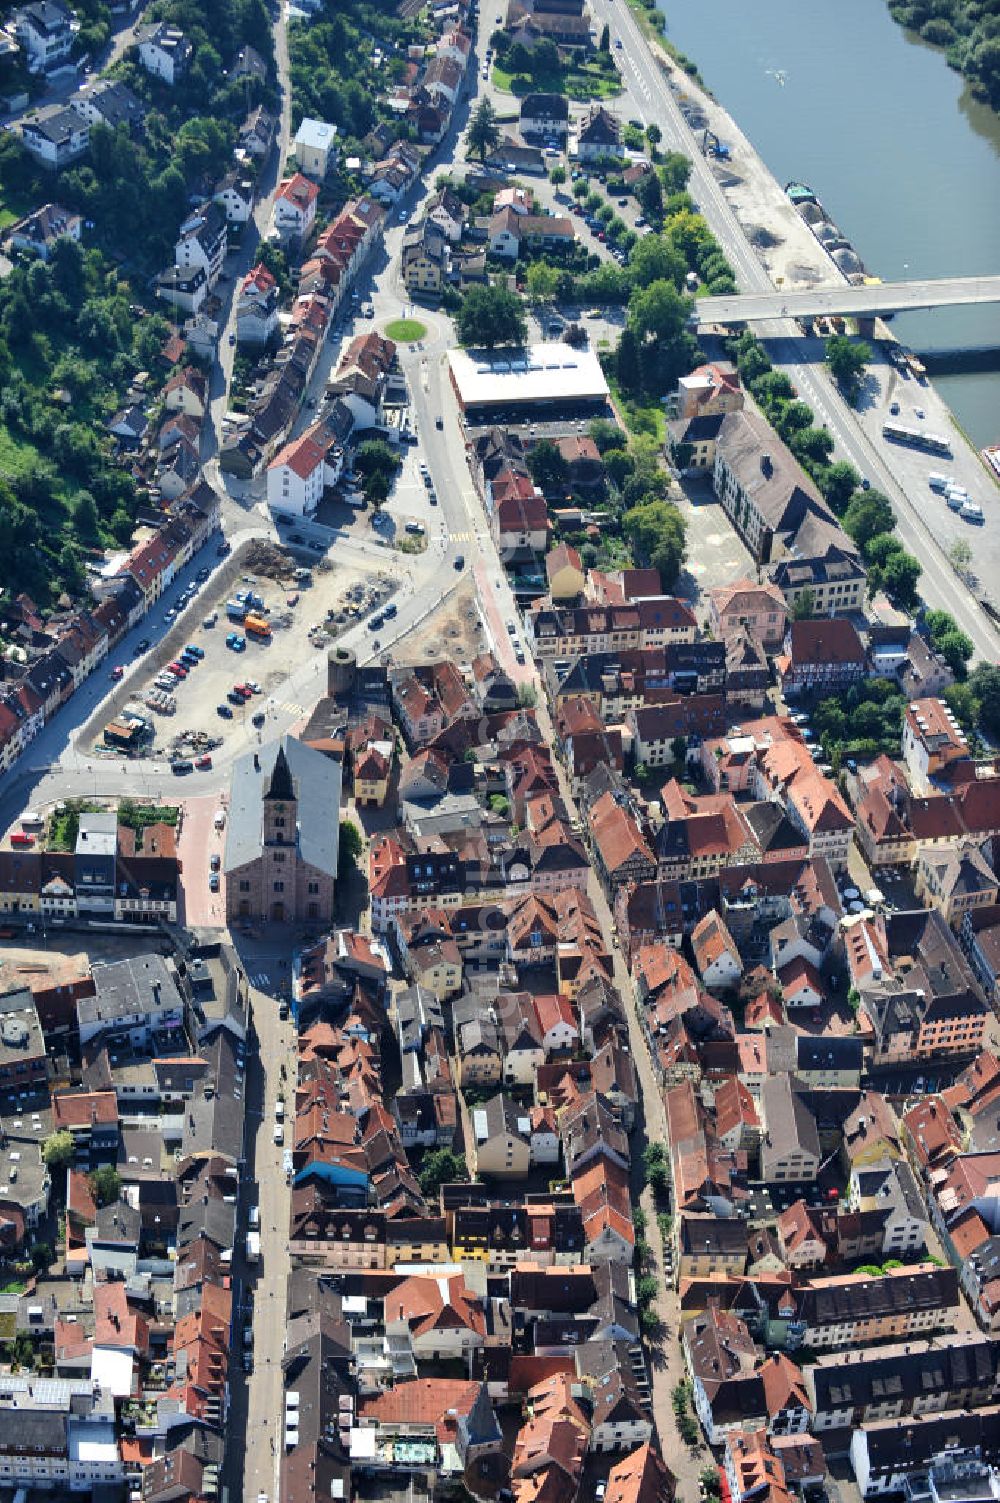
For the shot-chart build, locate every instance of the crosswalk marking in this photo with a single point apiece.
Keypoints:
(460, 537)
(260, 980)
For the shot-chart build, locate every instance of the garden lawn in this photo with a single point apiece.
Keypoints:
(406, 330)
(640, 417)
(579, 83)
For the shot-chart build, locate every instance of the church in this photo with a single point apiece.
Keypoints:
(283, 835)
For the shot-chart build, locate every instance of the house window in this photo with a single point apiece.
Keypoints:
(244, 886)
(279, 886)
(313, 887)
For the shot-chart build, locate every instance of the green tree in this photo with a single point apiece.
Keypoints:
(649, 196)
(868, 515)
(58, 1149)
(901, 572)
(657, 531)
(545, 61)
(772, 390)
(656, 259)
(605, 43)
(349, 849)
(441, 1167)
(41, 1256)
(659, 312)
(654, 135)
(105, 1186)
(541, 282)
(628, 365)
(984, 681)
(956, 649)
(880, 549)
(557, 176)
(811, 446)
(960, 555)
(606, 434)
(85, 518)
(491, 316)
(646, 1290)
(674, 169)
(377, 463)
(751, 358)
(838, 483)
(805, 605)
(962, 701)
(484, 130)
(549, 469)
(847, 359)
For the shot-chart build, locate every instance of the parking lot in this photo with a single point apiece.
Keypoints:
(304, 620)
(715, 555)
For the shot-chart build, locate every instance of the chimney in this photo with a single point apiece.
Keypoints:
(766, 466)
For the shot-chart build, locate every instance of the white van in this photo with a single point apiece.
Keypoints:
(220, 819)
(937, 482)
(972, 511)
(253, 1218)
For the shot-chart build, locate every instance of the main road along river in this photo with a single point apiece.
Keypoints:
(834, 94)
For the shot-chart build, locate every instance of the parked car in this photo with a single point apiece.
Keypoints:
(214, 882)
(224, 711)
(117, 672)
(203, 763)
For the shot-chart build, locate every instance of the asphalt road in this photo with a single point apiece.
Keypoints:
(257, 1402)
(648, 87)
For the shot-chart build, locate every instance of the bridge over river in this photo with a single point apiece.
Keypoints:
(870, 301)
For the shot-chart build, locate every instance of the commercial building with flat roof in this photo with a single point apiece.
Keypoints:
(517, 383)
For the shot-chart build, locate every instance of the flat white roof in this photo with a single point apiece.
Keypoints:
(363, 1444)
(112, 1368)
(316, 133)
(541, 373)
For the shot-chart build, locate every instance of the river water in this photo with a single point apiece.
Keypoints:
(834, 94)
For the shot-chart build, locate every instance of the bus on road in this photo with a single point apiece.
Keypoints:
(916, 438)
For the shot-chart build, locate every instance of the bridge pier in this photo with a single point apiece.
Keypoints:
(866, 327)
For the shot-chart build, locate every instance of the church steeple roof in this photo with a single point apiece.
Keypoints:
(281, 787)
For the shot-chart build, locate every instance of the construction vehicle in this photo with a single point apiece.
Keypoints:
(711, 146)
(257, 626)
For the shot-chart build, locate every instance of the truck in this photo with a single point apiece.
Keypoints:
(257, 626)
(253, 1247)
(235, 610)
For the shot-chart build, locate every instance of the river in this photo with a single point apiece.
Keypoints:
(834, 94)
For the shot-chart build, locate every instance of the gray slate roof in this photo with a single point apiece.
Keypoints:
(317, 782)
